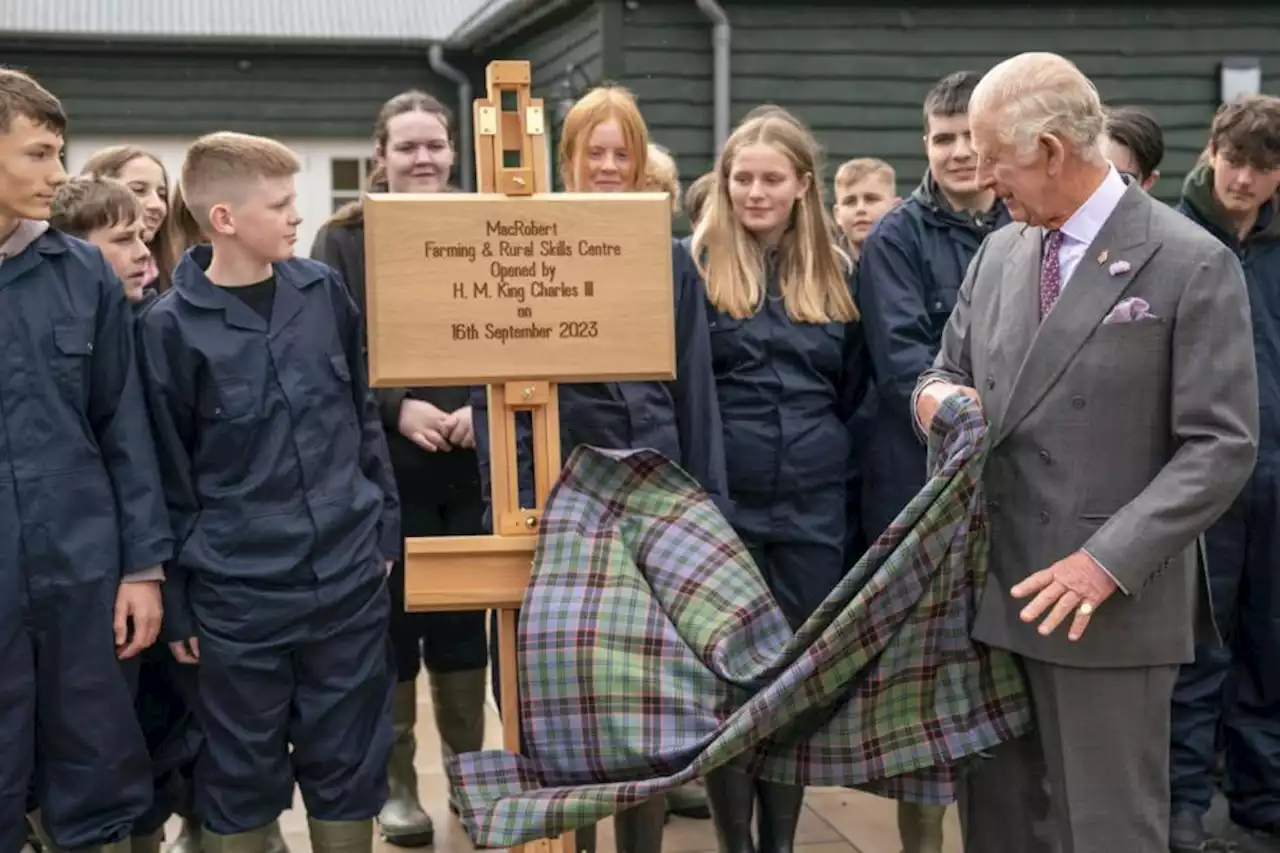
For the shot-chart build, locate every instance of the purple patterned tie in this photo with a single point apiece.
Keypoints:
(1050, 272)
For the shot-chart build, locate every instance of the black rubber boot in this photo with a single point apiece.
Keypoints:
(732, 796)
(639, 828)
(780, 807)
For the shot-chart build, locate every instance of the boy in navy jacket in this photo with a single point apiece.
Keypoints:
(83, 526)
(281, 494)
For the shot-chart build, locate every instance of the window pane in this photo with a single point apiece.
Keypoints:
(345, 174)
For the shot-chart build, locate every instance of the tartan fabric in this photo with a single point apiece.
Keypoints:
(651, 651)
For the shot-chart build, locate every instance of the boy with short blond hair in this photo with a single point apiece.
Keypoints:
(278, 481)
(865, 191)
(106, 213)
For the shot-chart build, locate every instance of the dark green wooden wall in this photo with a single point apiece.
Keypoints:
(184, 90)
(567, 51)
(857, 74)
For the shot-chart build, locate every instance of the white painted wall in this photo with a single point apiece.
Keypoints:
(314, 182)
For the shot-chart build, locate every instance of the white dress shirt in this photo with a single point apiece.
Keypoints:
(1079, 232)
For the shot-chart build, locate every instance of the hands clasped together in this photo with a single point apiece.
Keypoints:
(435, 430)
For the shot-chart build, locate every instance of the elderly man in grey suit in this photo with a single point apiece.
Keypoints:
(1108, 341)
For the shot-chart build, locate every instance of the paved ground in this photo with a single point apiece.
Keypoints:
(835, 820)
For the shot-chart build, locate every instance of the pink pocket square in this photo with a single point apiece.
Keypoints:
(1129, 310)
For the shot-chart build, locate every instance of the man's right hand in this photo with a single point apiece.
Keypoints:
(425, 425)
(930, 400)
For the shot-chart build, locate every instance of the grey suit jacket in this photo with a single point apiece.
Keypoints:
(1126, 439)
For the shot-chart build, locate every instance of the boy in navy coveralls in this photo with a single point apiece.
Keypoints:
(281, 494)
(83, 531)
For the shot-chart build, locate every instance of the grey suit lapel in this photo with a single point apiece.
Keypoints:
(1086, 299)
(1018, 318)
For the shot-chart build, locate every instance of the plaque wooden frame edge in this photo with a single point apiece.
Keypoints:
(495, 569)
(379, 378)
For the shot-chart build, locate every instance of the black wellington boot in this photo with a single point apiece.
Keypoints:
(732, 796)
(780, 807)
(639, 828)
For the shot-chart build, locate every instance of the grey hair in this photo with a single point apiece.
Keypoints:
(1033, 94)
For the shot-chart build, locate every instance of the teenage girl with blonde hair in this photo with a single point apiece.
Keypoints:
(788, 355)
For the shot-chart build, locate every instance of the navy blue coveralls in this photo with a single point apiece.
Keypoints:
(788, 392)
(679, 419)
(164, 697)
(909, 275)
(80, 507)
(280, 492)
(1237, 684)
(439, 493)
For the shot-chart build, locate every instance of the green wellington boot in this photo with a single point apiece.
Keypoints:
(254, 841)
(920, 827)
(402, 821)
(188, 840)
(457, 700)
(341, 836)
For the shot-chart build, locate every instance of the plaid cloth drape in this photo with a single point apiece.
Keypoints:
(651, 651)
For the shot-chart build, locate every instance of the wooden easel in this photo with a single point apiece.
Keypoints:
(414, 340)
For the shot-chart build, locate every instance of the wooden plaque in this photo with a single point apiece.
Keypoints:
(471, 290)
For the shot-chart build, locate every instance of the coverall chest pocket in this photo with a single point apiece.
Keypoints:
(728, 347)
(227, 401)
(342, 394)
(73, 349)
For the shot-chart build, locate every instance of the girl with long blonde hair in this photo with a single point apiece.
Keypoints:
(604, 147)
(788, 355)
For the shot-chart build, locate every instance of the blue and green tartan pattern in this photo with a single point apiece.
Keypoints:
(651, 652)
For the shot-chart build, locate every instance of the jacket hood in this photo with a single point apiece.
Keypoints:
(929, 196)
(1197, 195)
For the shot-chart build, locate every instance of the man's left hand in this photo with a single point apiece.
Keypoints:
(137, 602)
(1076, 584)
